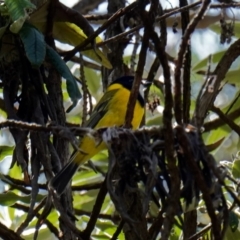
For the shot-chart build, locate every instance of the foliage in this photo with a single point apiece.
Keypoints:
(160, 182)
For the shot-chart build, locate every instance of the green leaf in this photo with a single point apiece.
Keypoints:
(9, 198)
(237, 29)
(156, 119)
(233, 77)
(16, 26)
(233, 221)
(204, 62)
(214, 145)
(175, 233)
(216, 134)
(230, 235)
(17, 8)
(43, 234)
(73, 35)
(216, 28)
(93, 80)
(61, 67)
(5, 151)
(236, 168)
(86, 200)
(34, 44)
(86, 177)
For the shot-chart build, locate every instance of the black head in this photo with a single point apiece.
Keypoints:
(127, 82)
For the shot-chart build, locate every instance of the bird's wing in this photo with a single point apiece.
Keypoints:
(100, 109)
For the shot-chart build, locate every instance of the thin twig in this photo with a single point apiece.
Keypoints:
(87, 187)
(85, 91)
(206, 99)
(177, 10)
(228, 121)
(118, 230)
(183, 46)
(110, 217)
(168, 135)
(134, 52)
(186, 68)
(182, 138)
(9, 234)
(208, 126)
(117, 15)
(34, 213)
(138, 79)
(137, 28)
(96, 210)
(50, 21)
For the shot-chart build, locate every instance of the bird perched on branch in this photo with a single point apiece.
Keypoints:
(110, 111)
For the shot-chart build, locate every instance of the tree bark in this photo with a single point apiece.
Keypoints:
(117, 48)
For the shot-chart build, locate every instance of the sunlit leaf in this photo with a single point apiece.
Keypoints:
(73, 35)
(175, 233)
(233, 77)
(17, 8)
(217, 134)
(9, 198)
(16, 172)
(204, 62)
(86, 201)
(106, 229)
(94, 82)
(230, 235)
(44, 233)
(5, 151)
(86, 177)
(236, 168)
(155, 119)
(214, 145)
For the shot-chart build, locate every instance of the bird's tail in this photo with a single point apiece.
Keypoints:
(59, 182)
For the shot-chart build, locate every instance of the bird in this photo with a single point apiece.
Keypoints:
(110, 111)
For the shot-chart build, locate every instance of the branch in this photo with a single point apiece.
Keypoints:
(84, 6)
(79, 131)
(226, 120)
(138, 78)
(111, 20)
(186, 67)
(9, 234)
(96, 210)
(202, 24)
(168, 133)
(63, 13)
(87, 187)
(118, 231)
(208, 126)
(184, 44)
(137, 28)
(182, 138)
(213, 84)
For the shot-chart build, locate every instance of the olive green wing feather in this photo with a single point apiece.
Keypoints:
(100, 109)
